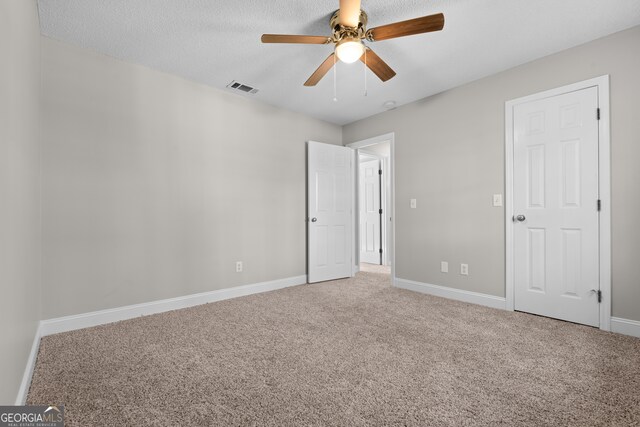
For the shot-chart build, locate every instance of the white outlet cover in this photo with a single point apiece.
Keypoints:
(464, 269)
(414, 203)
(444, 266)
(497, 200)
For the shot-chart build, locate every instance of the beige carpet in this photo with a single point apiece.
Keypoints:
(346, 353)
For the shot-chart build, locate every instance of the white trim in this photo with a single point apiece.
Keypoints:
(353, 167)
(392, 241)
(86, 320)
(508, 207)
(452, 293)
(604, 174)
(392, 174)
(21, 398)
(372, 141)
(625, 326)
(604, 177)
(355, 213)
(388, 235)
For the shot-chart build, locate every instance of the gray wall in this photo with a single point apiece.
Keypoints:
(449, 156)
(155, 186)
(19, 190)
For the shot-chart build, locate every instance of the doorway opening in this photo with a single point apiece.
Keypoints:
(373, 205)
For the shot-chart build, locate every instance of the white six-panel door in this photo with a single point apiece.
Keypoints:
(370, 206)
(555, 196)
(330, 199)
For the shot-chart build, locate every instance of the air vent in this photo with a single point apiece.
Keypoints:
(242, 87)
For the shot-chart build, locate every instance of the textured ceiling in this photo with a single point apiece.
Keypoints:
(216, 41)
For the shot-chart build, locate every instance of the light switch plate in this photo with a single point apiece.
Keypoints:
(497, 200)
(414, 203)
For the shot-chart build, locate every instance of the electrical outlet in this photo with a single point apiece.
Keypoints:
(414, 203)
(444, 266)
(464, 269)
(497, 200)
(239, 267)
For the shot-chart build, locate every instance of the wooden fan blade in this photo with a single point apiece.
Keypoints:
(288, 38)
(321, 71)
(377, 65)
(349, 15)
(407, 28)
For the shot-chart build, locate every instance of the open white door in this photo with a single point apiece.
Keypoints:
(329, 169)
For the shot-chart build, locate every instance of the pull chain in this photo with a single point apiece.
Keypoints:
(335, 80)
(365, 71)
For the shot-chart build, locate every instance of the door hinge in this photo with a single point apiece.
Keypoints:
(599, 205)
(379, 171)
(598, 113)
(598, 293)
(380, 211)
(380, 250)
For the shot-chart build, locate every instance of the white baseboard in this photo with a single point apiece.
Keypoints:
(28, 370)
(625, 326)
(86, 320)
(452, 293)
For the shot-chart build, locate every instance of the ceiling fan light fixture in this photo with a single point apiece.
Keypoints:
(349, 50)
(348, 27)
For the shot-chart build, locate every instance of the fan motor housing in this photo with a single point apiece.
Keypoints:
(340, 32)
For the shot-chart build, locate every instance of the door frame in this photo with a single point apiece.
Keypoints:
(391, 243)
(604, 190)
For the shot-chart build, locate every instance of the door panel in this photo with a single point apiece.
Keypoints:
(535, 176)
(330, 213)
(556, 190)
(370, 242)
(537, 259)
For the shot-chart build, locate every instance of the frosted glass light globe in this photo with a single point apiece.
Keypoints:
(349, 50)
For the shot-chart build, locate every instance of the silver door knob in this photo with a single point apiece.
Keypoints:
(519, 218)
(314, 219)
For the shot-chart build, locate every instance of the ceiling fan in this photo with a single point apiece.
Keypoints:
(349, 30)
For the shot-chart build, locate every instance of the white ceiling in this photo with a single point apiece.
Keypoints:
(216, 41)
